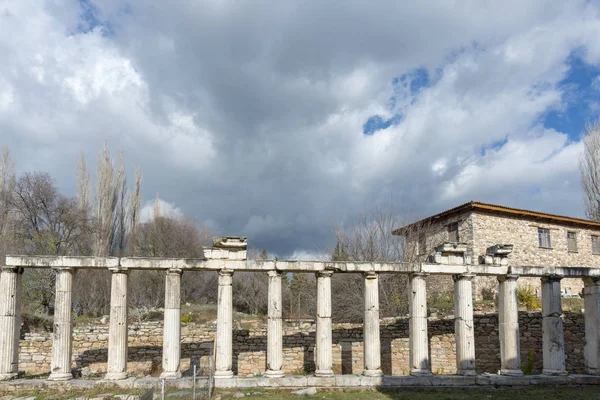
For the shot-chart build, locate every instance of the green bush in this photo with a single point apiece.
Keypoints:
(527, 366)
(187, 318)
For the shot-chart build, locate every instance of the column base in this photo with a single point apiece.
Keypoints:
(9, 376)
(274, 374)
(510, 372)
(421, 372)
(372, 372)
(323, 372)
(223, 374)
(115, 376)
(60, 376)
(466, 372)
(593, 371)
(555, 372)
(171, 375)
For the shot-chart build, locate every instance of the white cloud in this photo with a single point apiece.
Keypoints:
(164, 209)
(251, 115)
(596, 82)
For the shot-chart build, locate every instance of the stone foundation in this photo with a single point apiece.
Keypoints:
(90, 347)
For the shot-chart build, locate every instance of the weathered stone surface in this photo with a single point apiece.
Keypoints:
(117, 343)
(275, 327)
(10, 321)
(306, 392)
(323, 340)
(63, 326)
(223, 356)
(418, 342)
(145, 343)
(172, 326)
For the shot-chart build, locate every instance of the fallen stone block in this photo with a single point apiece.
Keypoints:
(306, 392)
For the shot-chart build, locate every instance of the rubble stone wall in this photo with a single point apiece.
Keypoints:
(249, 347)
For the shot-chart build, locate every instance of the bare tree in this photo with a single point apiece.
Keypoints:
(250, 289)
(44, 222)
(589, 166)
(169, 235)
(134, 211)
(369, 238)
(105, 204)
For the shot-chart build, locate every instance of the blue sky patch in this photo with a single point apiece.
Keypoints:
(405, 87)
(494, 146)
(579, 96)
(376, 122)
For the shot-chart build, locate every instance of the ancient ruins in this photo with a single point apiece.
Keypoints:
(229, 255)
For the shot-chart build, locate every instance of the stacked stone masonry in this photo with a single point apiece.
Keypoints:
(480, 230)
(249, 347)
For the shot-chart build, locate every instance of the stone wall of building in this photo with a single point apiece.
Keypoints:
(435, 234)
(489, 230)
(249, 347)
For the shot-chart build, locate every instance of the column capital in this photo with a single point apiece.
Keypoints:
(119, 270)
(468, 276)
(64, 269)
(324, 274)
(418, 275)
(174, 271)
(226, 272)
(274, 273)
(552, 278)
(508, 277)
(591, 281)
(12, 268)
(370, 275)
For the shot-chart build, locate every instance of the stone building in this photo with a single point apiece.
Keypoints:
(491, 234)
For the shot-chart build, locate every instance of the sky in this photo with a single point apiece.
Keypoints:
(278, 120)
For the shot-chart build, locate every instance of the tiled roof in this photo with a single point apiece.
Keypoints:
(496, 209)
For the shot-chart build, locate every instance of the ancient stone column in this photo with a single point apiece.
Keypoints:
(172, 325)
(117, 334)
(62, 339)
(323, 339)
(372, 345)
(591, 295)
(463, 324)
(10, 321)
(417, 340)
(508, 318)
(224, 352)
(552, 327)
(275, 330)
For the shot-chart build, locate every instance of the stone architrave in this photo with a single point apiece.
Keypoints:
(275, 328)
(62, 338)
(508, 319)
(172, 326)
(224, 347)
(417, 337)
(463, 324)
(10, 321)
(323, 339)
(591, 295)
(552, 327)
(117, 334)
(372, 344)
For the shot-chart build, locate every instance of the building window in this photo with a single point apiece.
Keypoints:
(544, 237)
(572, 242)
(422, 244)
(595, 245)
(453, 232)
